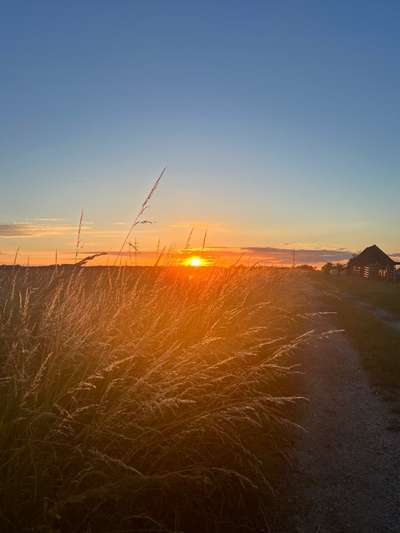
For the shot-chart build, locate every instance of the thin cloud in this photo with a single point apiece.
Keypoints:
(285, 255)
(34, 230)
(198, 225)
(48, 219)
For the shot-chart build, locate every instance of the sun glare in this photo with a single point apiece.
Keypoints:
(194, 261)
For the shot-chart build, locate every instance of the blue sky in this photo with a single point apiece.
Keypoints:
(279, 122)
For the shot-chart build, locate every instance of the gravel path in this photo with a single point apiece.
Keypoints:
(347, 463)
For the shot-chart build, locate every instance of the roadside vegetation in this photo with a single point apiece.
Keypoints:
(376, 340)
(385, 295)
(143, 399)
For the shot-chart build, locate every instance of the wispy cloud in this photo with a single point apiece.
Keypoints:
(285, 255)
(198, 225)
(47, 219)
(34, 230)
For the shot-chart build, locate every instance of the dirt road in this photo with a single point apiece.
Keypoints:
(347, 463)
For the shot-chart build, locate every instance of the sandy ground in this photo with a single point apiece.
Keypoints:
(347, 464)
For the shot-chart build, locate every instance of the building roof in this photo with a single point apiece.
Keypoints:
(372, 255)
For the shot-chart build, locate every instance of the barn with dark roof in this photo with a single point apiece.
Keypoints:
(373, 263)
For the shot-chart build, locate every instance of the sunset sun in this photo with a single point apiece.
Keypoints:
(194, 261)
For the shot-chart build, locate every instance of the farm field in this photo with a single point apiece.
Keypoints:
(379, 294)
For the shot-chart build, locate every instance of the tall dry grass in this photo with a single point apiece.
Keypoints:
(141, 399)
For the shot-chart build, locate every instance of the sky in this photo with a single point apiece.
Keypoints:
(278, 122)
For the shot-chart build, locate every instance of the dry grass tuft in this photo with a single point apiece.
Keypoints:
(140, 399)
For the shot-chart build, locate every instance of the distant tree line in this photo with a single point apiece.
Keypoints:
(333, 267)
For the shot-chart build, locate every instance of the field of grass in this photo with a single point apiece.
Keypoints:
(142, 399)
(378, 293)
(377, 342)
